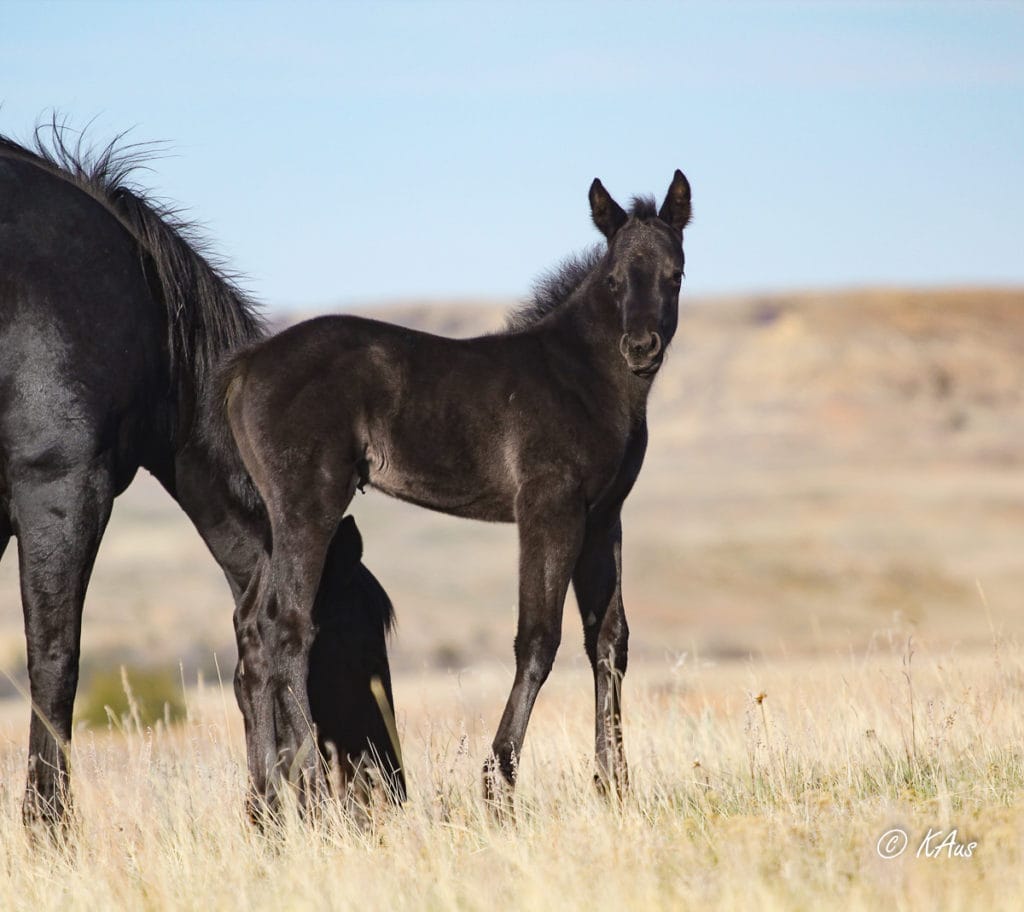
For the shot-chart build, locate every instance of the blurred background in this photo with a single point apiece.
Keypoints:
(837, 437)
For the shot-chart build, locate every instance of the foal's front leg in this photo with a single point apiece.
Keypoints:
(597, 581)
(551, 522)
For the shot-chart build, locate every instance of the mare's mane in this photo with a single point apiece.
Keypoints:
(208, 314)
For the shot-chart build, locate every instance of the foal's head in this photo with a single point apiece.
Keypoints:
(643, 270)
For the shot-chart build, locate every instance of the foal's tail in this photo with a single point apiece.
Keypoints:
(229, 383)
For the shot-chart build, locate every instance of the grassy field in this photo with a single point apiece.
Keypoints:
(762, 784)
(835, 482)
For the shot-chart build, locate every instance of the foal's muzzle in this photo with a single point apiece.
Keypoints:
(643, 354)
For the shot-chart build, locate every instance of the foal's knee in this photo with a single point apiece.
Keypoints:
(535, 651)
(613, 644)
(293, 630)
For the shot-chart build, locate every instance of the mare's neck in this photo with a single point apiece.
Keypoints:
(202, 470)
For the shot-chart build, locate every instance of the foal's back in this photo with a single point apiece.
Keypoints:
(450, 424)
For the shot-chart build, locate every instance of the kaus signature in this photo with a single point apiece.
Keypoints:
(936, 843)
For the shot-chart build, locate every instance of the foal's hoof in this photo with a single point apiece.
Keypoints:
(47, 818)
(262, 812)
(499, 795)
(614, 787)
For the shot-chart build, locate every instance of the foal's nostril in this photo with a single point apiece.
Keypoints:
(625, 346)
(640, 352)
(647, 347)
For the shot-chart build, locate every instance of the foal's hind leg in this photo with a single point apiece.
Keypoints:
(251, 686)
(303, 520)
(305, 492)
(301, 540)
(597, 581)
(59, 523)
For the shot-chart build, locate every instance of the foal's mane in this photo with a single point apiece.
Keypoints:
(554, 288)
(208, 314)
(643, 208)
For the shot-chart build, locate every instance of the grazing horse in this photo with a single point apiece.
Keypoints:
(111, 323)
(348, 653)
(543, 425)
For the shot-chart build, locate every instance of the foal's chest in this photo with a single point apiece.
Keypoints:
(615, 479)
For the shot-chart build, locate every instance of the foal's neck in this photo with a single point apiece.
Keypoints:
(591, 323)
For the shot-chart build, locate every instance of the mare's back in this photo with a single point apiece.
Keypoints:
(65, 256)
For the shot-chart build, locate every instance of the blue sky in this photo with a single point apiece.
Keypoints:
(344, 153)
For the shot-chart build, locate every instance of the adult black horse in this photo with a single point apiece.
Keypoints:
(543, 425)
(112, 320)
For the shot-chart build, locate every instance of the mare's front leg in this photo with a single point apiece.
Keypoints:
(59, 523)
(550, 516)
(597, 581)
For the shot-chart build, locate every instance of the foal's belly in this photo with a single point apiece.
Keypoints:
(447, 495)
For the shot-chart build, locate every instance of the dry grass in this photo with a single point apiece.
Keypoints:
(736, 803)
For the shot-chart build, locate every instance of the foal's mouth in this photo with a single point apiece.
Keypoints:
(647, 370)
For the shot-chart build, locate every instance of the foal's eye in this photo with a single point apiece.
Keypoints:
(612, 283)
(677, 276)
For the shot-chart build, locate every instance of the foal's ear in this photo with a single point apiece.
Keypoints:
(607, 214)
(676, 209)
